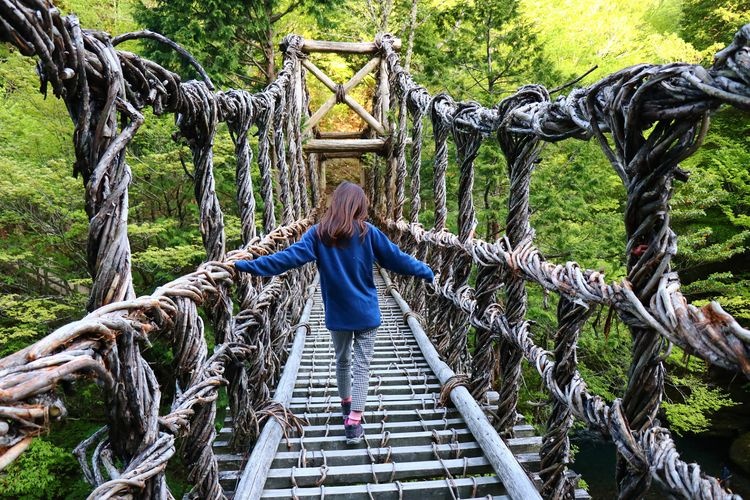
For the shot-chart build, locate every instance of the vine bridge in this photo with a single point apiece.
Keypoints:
(441, 417)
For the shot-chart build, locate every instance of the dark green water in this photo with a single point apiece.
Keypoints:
(595, 461)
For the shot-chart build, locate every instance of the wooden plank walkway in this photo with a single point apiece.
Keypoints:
(414, 448)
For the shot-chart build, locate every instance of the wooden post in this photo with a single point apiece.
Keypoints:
(323, 183)
(385, 95)
(384, 101)
(254, 475)
(299, 103)
(507, 468)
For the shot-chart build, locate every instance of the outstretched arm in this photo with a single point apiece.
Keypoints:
(392, 258)
(293, 256)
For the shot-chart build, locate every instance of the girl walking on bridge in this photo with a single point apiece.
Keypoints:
(345, 247)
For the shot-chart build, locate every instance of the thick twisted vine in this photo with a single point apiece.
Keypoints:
(555, 451)
(399, 152)
(485, 356)
(239, 109)
(441, 125)
(253, 326)
(294, 134)
(607, 419)
(265, 118)
(84, 70)
(282, 168)
(648, 166)
(521, 153)
(312, 158)
(197, 121)
(415, 165)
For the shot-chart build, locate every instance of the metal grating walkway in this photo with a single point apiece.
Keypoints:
(414, 448)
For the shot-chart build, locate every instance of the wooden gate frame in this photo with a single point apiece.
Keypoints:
(375, 120)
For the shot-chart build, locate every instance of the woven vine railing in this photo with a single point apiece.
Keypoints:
(646, 118)
(104, 90)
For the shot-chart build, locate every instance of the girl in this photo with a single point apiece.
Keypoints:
(345, 247)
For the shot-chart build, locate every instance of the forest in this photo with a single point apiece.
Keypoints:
(474, 50)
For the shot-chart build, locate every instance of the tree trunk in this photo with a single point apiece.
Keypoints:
(268, 48)
(412, 29)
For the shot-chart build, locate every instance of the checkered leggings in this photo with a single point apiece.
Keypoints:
(357, 369)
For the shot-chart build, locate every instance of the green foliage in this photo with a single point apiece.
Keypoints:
(164, 264)
(233, 40)
(577, 202)
(39, 474)
(711, 215)
(40, 204)
(39, 215)
(699, 401)
(24, 319)
(33, 128)
(692, 398)
(488, 49)
(610, 35)
(732, 293)
(112, 16)
(604, 359)
(209, 31)
(709, 25)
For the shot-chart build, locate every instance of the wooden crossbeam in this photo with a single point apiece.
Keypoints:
(331, 102)
(309, 46)
(356, 134)
(344, 145)
(348, 100)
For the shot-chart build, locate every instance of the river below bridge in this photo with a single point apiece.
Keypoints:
(595, 461)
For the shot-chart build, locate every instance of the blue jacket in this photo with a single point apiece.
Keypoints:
(346, 279)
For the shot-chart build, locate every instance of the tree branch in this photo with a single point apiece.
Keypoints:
(574, 81)
(259, 66)
(275, 17)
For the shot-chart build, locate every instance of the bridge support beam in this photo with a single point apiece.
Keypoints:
(514, 477)
(348, 146)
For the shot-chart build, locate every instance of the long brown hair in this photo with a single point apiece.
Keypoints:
(348, 210)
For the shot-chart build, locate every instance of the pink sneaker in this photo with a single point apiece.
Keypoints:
(354, 433)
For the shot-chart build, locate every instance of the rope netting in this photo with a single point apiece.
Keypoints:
(646, 118)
